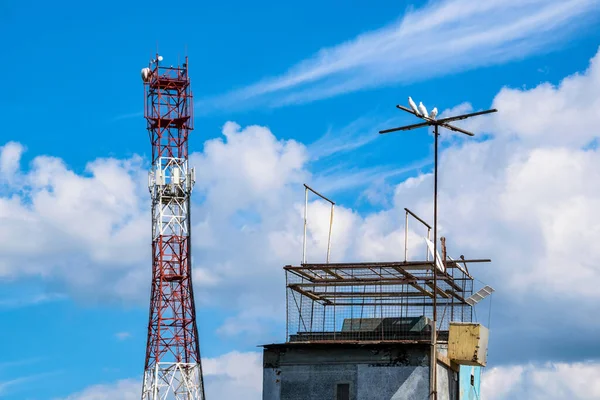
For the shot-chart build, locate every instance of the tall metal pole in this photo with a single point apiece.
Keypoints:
(433, 373)
(405, 236)
(329, 237)
(430, 120)
(305, 217)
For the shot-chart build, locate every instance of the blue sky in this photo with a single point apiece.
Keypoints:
(308, 85)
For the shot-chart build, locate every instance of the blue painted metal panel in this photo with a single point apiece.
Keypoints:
(469, 383)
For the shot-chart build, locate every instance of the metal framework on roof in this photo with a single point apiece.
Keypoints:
(396, 301)
(384, 301)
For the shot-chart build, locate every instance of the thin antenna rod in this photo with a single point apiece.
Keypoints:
(405, 235)
(305, 216)
(330, 229)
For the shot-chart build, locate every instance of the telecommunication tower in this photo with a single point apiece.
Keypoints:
(173, 368)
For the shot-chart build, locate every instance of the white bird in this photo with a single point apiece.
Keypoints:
(423, 110)
(433, 113)
(412, 105)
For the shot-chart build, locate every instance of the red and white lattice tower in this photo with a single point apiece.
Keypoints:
(173, 368)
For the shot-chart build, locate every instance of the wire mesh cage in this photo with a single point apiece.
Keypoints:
(383, 301)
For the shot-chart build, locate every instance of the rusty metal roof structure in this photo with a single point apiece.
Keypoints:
(378, 301)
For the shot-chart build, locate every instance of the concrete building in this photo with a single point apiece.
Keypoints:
(345, 371)
(369, 331)
(379, 330)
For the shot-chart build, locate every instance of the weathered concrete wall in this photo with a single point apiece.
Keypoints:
(394, 383)
(375, 372)
(316, 381)
(447, 383)
(271, 383)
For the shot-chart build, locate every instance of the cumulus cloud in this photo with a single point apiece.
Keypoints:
(239, 375)
(248, 167)
(537, 179)
(549, 381)
(548, 115)
(233, 375)
(126, 389)
(79, 230)
(10, 157)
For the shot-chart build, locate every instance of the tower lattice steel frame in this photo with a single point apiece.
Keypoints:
(173, 368)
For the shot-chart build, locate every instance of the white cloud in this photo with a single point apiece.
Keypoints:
(351, 136)
(30, 300)
(10, 386)
(248, 167)
(535, 180)
(549, 381)
(10, 156)
(441, 37)
(548, 115)
(122, 335)
(233, 375)
(5, 385)
(88, 233)
(82, 231)
(126, 389)
(239, 375)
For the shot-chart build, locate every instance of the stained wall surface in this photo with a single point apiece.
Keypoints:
(373, 372)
